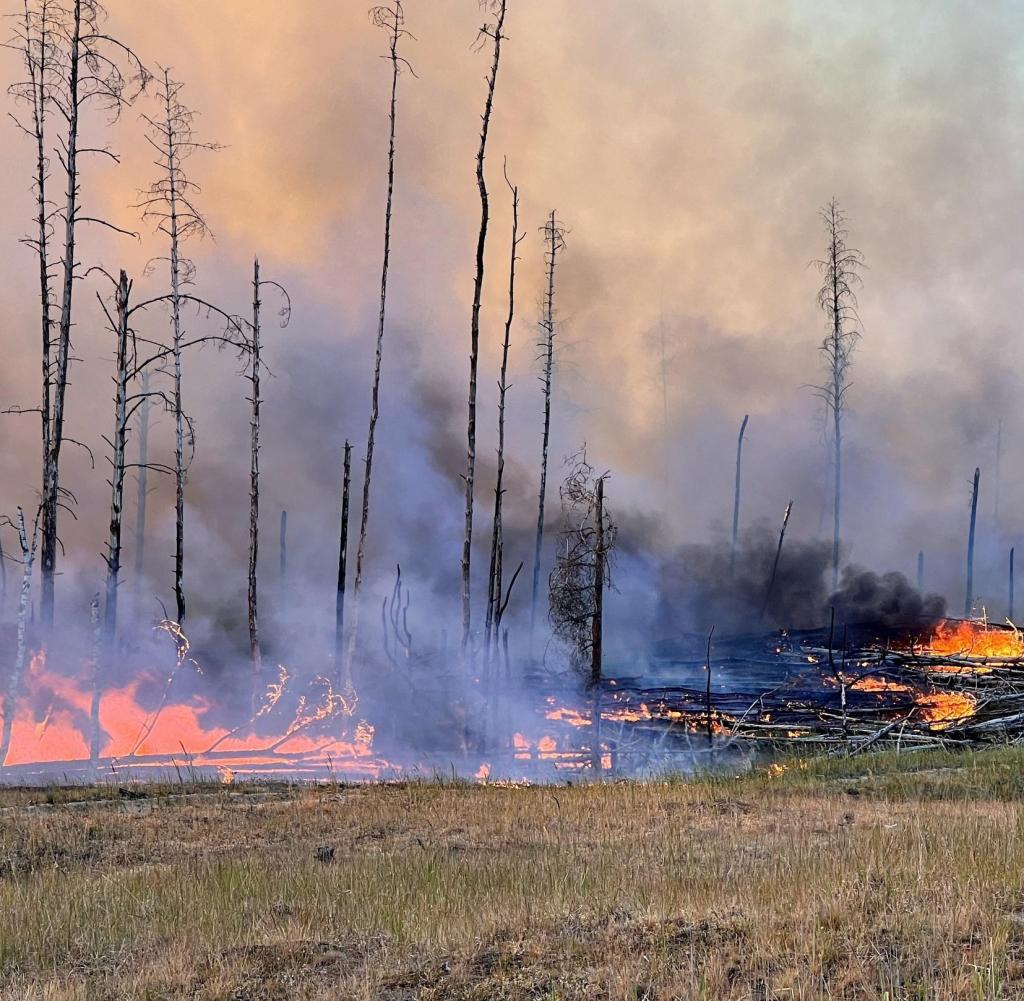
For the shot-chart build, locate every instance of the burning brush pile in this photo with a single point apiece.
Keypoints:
(957, 681)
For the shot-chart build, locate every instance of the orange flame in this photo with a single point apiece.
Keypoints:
(968, 638)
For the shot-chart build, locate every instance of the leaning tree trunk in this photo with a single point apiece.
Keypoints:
(778, 557)
(474, 333)
(118, 442)
(254, 470)
(736, 498)
(494, 578)
(28, 552)
(548, 325)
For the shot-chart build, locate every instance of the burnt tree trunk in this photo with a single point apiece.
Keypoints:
(339, 604)
(51, 463)
(778, 556)
(142, 492)
(1009, 613)
(474, 333)
(97, 678)
(969, 591)
(254, 471)
(548, 346)
(736, 498)
(597, 622)
(494, 577)
(118, 447)
(392, 19)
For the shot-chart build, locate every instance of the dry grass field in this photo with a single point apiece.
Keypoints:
(872, 878)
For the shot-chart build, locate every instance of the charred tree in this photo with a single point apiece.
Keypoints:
(96, 622)
(736, 497)
(493, 32)
(837, 298)
(708, 707)
(37, 38)
(583, 565)
(775, 564)
(254, 470)
(1009, 613)
(117, 443)
(339, 602)
(141, 493)
(554, 242)
(73, 64)
(969, 591)
(130, 366)
(391, 18)
(494, 577)
(28, 553)
(170, 203)
(920, 572)
(256, 367)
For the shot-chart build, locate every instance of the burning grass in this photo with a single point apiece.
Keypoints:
(880, 876)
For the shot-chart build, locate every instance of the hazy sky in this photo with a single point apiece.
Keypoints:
(688, 147)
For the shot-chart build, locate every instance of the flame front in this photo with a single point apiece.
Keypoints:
(975, 639)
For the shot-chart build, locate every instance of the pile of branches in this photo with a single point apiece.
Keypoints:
(849, 698)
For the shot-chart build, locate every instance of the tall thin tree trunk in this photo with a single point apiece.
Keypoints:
(141, 495)
(118, 443)
(597, 624)
(339, 604)
(736, 498)
(51, 466)
(548, 326)
(707, 694)
(179, 413)
(10, 708)
(474, 336)
(254, 471)
(494, 578)
(37, 66)
(920, 572)
(1009, 613)
(97, 678)
(364, 517)
(969, 592)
